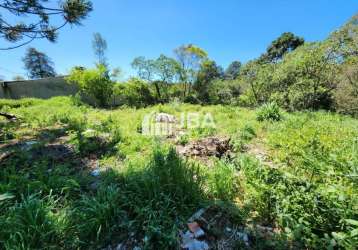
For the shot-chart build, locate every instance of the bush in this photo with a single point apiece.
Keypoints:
(95, 84)
(269, 112)
(192, 98)
(135, 93)
(31, 224)
(100, 216)
(346, 93)
(224, 92)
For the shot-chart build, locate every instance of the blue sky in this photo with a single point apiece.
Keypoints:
(228, 30)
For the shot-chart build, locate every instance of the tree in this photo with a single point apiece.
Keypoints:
(166, 68)
(344, 41)
(18, 78)
(190, 58)
(256, 81)
(99, 45)
(306, 78)
(38, 64)
(166, 71)
(94, 83)
(208, 72)
(146, 69)
(233, 70)
(278, 48)
(38, 19)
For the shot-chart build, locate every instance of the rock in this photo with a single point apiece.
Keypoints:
(164, 117)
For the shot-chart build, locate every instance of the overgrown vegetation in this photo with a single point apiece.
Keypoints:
(145, 193)
(294, 74)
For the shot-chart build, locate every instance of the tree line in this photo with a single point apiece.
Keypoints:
(293, 73)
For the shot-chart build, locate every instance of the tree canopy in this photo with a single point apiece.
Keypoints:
(233, 70)
(38, 64)
(99, 45)
(278, 48)
(38, 19)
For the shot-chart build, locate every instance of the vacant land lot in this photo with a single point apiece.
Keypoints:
(72, 176)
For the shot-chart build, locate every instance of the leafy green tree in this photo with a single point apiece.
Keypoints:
(99, 45)
(256, 80)
(38, 19)
(166, 69)
(135, 93)
(344, 41)
(346, 93)
(278, 48)
(224, 91)
(208, 72)
(93, 83)
(38, 64)
(146, 70)
(233, 70)
(190, 58)
(343, 45)
(306, 78)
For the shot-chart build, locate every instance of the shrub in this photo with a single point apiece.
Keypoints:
(162, 194)
(95, 84)
(223, 183)
(192, 98)
(100, 216)
(135, 93)
(31, 224)
(223, 92)
(346, 93)
(269, 112)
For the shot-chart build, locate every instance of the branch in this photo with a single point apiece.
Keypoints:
(20, 45)
(8, 116)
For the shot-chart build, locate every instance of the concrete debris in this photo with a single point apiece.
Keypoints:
(211, 146)
(190, 243)
(196, 230)
(164, 117)
(197, 215)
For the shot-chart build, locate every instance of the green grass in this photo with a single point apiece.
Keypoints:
(147, 192)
